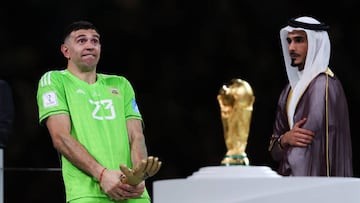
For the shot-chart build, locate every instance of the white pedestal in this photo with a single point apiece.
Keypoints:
(244, 184)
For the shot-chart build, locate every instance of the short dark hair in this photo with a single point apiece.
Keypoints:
(79, 25)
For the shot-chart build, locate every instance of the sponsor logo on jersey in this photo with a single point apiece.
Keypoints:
(49, 99)
(80, 91)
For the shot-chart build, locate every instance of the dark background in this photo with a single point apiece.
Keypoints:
(177, 54)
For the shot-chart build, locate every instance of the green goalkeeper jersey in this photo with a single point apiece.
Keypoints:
(98, 114)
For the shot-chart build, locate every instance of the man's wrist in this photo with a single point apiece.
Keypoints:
(101, 175)
(279, 142)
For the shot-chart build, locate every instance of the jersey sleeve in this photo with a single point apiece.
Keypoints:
(51, 98)
(131, 108)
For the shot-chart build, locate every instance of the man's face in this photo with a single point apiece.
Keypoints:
(297, 46)
(82, 49)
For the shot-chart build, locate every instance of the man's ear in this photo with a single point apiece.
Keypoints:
(65, 51)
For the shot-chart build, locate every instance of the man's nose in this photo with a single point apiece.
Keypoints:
(291, 46)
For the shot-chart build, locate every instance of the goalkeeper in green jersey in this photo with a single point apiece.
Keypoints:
(95, 125)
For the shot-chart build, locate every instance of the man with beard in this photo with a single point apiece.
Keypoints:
(311, 134)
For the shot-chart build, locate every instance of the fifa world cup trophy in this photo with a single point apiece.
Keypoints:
(236, 104)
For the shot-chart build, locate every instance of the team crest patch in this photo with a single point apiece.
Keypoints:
(114, 91)
(49, 99)
(134, 106)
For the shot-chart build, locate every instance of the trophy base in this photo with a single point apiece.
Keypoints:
(233, 160)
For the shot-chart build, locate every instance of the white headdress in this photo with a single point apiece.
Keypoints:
(317, 59)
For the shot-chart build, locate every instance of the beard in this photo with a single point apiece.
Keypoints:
(293, 64)
(299, 66)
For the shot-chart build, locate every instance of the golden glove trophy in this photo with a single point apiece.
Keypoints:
(236, 104)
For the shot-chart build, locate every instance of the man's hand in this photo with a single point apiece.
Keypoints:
(298, 136)
(146, 169)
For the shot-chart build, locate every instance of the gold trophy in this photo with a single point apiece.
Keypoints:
(236, 104)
